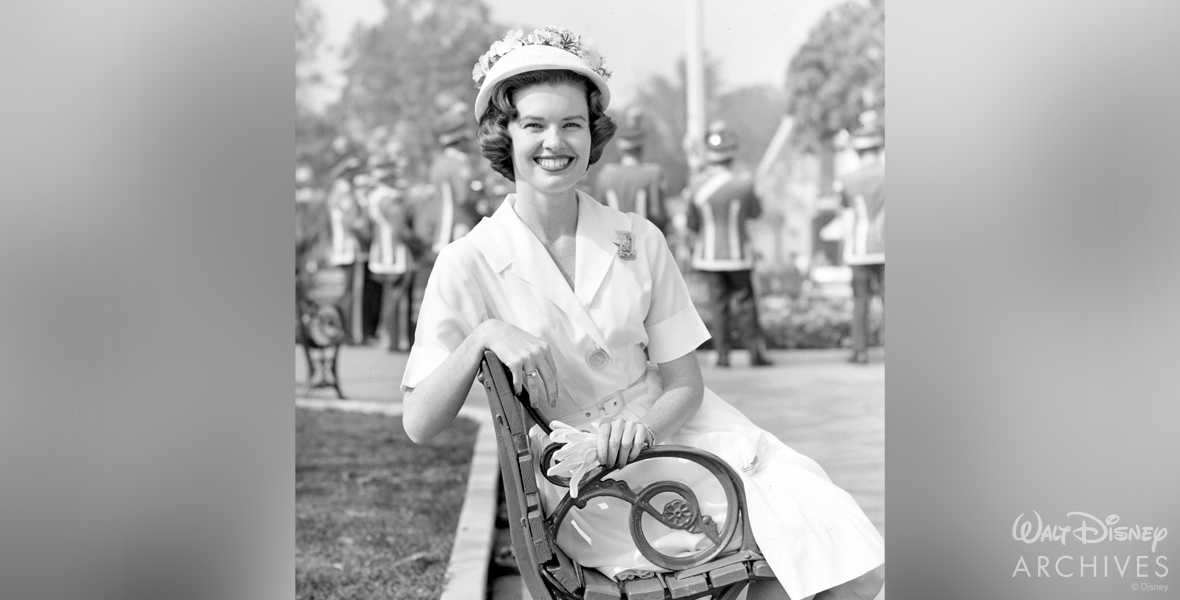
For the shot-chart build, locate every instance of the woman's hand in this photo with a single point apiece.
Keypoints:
(526, 356)
(620, 440)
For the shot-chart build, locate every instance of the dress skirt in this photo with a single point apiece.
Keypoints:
(811, 532)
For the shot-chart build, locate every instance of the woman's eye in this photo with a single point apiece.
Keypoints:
(573, 125)
(532, 126)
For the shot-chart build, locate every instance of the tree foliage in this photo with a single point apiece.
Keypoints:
(665, 107)
(839, 73)
(422, 49)
(309, 34)
(752, 112)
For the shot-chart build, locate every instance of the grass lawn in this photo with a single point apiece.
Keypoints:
(375, 514)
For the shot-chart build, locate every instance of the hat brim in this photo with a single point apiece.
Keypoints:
(720, 155)
(535, 58)
(629, 143)
(867, 143)
(451, 137)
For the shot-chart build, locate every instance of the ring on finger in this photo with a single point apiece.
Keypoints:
(534, 373)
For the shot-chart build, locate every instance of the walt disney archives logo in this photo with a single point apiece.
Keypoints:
(1084, 530)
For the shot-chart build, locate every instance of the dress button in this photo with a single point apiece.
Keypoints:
(596, 359)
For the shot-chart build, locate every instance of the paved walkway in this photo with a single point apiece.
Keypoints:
(815, 402)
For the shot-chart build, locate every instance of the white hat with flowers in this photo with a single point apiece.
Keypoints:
(548, 48)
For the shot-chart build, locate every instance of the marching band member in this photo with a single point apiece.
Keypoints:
(632, 185)
(721, 203)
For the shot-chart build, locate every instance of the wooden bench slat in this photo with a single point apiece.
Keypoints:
(728, 574)
(521, 441)
(536, 529)
(600, 587)
(564, 571)
(760, 569)
(689, 587)
(644, 589)
(513, 412)
(527, 478)
(543, 549)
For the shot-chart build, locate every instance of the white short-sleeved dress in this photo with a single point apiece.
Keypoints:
(630, 309)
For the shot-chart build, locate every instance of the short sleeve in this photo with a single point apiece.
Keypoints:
(452, 306)
(673, 326)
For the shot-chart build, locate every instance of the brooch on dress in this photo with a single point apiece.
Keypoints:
(626, 250)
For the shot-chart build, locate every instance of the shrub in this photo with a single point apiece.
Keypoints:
(814, 321)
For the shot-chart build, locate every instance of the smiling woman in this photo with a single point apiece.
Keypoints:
(586, 307)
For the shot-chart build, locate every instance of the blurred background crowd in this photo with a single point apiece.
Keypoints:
(388, 172)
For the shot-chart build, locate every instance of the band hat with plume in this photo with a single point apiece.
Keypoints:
(543, 49)
(867, 138)
(720, 143)
(869, 135)
(867, 142)
(630, 134)
(453, 125)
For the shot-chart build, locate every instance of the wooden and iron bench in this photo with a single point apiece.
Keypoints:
(322, 333)
(550, 575)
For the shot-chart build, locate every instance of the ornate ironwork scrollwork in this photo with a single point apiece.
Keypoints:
(681, 513)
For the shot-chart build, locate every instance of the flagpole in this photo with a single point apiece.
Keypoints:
(694, 64)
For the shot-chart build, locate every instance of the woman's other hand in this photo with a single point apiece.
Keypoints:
(526, 356)
(620, 440)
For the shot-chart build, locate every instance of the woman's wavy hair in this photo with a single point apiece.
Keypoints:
(494, 141)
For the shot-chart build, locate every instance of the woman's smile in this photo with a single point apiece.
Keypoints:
(554, 163)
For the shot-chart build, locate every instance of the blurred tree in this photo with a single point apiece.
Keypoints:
(313, 135)
(315, 130)
(422, 48)
(665, 110)
(837, 75)
(309, 33)
(753, 113)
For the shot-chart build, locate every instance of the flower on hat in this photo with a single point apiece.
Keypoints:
(556, 37)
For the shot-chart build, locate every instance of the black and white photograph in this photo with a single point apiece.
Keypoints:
(590, 299)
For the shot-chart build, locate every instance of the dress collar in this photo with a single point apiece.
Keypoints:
(505, 240)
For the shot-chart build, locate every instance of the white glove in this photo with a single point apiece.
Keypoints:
(578, 456)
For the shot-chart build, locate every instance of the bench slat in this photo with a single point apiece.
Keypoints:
(527, 478)
(644, 589)
(521, 441)
(600, 587)
(728, 574)
(564, 571)
(687, 588)
(760, 569)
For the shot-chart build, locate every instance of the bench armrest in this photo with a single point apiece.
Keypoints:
(683, 512)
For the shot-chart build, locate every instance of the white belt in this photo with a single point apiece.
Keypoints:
(609, 407)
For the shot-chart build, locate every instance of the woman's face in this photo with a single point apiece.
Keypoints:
(550, 137)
